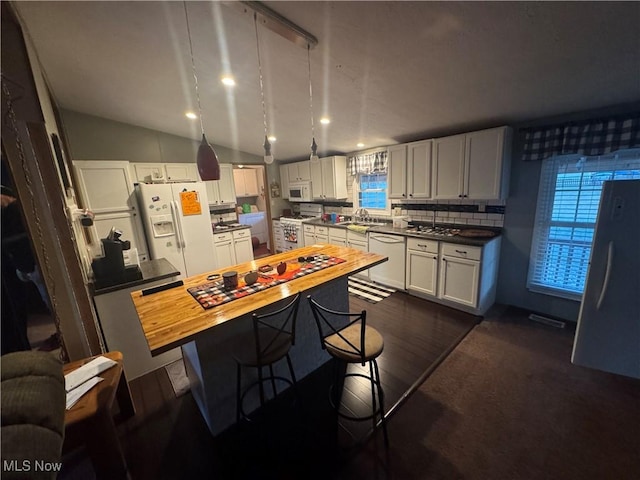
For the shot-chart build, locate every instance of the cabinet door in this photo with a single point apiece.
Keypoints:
(304, 170)
(309, 239)
(323, 239)
(181, 172)
(419, 170)
(334, 177)
(127, 222)
(225, 254)
(422, 272)
(292, 169)
(284, 181)
(484, 155)
(448, 167)
(250, 182)
(105, 187)
(148, 172)
(317, 188)
(341, 242)
(213, 192)
(363, 247)
(243, 250)
(226, 188)
(397, 171)
(459, 279)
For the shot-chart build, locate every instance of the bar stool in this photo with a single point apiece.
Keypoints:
(353, 343)
(269, 341)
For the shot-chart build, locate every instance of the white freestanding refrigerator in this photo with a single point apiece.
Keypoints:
(178, 225)
(608, 331)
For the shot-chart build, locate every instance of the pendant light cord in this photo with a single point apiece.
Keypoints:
(310, 90)
(264, 109)
(193, 66)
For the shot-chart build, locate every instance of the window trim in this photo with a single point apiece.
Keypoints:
(356, 195)
(550, 170)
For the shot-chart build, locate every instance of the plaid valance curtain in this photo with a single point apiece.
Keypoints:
(368, 163)
(595, 137)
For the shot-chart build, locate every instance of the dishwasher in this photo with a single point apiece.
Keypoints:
(391, 272)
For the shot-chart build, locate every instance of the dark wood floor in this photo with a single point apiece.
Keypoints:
(299, 438)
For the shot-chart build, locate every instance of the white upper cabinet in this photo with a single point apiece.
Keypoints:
(448, 167)
(299, 172)
(473, 166)
(148, 172)
(409, 170)
(246, 182)
(329, 178)
(181, 172)
(284, 181)
(105, 186)
(222, 192)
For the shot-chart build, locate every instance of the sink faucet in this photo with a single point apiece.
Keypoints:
(362, 213)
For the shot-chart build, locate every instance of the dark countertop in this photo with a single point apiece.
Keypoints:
(152, 270)
(228, 228)
(389, 229)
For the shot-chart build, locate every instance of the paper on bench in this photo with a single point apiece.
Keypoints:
(87, 371)
(74, 395)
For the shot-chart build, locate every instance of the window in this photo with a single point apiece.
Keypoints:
(568, 200)
(372, 192)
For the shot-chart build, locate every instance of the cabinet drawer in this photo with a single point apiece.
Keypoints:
(461, 251)
(245, 232)
(322, 231)
(357, 236)
(338, 233)
(422, 245)
(309, 229)
(222, 237)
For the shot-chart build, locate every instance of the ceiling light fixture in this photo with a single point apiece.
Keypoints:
(325, 121)
(360, 145)
(206, 159)
(191, 115)
(314, 147)
(228, 81)
(268, 158)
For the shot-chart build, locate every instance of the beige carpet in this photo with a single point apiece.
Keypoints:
(508, 404)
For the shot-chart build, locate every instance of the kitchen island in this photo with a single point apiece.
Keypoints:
(173, 317)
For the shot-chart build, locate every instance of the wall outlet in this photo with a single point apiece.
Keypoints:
(481, 208)
(397, 210)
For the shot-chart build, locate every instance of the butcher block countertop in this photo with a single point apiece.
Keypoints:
(172, 317)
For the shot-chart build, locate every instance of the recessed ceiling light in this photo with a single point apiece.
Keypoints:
(191, 115)
(360, 145)
(272, 138)
(228, 80)
(325, 121)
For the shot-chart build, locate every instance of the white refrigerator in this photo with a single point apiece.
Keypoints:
(608, 331)
(178, 225)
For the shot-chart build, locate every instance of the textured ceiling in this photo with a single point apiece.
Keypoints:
(385, 72)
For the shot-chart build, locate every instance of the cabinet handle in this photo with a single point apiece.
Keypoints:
(435, 258)
(459, 196)
(421, 245)
(464, 252)
(411, 194)
(403, 195)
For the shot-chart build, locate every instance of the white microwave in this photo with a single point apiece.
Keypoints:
(300, 192)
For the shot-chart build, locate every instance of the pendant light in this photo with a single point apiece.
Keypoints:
(314, 147)
(206, 159)
(268, 158)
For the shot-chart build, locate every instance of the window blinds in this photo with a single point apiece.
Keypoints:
(568, 201)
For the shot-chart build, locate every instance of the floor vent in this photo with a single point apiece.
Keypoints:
(546, 320)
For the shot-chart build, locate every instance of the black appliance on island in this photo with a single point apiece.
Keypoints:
(110, 269)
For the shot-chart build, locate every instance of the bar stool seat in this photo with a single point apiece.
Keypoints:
(340, 345)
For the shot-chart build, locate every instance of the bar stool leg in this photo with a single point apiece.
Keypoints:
(373, 394)
(381, 397)
(238, 392)
(273, 381)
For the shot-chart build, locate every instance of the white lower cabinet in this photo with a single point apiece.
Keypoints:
(460, 276)
(359, 241)
(224, 249)
(242, 245)
(278, 237)
(338, 236)
(315, 234)
(232, 248)
(422, 266)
